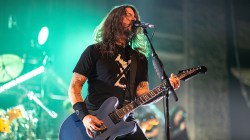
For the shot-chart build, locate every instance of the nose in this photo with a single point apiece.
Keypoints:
(133, 19)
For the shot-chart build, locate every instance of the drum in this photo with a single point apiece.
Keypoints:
(18, 124)
(16, 112)
(4, 125)
(25, 127)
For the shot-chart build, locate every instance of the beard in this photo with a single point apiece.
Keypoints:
(129, 34)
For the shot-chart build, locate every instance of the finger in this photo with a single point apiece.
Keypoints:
(94, 127)
(174, 84)
(178, 84)
(90, 134)
(89, 128)
(172, 75)
(97, 121)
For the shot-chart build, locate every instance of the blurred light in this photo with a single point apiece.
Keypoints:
(43, 35)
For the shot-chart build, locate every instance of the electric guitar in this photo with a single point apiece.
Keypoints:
(113, 118)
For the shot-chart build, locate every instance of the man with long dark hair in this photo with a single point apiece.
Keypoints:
(107, 66)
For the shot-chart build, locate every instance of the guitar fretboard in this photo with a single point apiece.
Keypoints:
(140, 101)
(183, 75)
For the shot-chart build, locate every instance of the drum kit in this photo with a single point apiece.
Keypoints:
(17, 123)
(19, 70)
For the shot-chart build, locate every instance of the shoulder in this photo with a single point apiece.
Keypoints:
(92, 47)
(139, 55)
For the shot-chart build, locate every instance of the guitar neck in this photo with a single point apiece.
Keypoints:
(182, 75)
(140, 101)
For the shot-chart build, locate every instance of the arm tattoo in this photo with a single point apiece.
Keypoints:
(78, 79)
(75, 88)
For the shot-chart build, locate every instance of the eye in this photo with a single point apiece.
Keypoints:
(129, 15)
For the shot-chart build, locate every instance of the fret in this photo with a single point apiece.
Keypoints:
(149, 95)
(161, 88)
(158, 89)
(137, 102)
(164, 84)
(146, 97)
(140, 100)
(119, 114)
(180, 76)
(155, 92)
(127, 107)
(124, 110)
(152, 93)
(131, 106)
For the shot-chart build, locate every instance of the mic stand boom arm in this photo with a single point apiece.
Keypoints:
(162, 74)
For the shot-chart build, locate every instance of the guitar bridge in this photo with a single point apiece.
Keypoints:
(96, 133)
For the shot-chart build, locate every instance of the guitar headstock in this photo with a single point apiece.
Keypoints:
(188, 73)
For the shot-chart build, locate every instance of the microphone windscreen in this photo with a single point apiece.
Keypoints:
(157, 67)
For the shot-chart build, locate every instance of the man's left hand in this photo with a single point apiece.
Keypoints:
(174, 81)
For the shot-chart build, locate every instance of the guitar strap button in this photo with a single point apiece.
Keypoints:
(77, 112)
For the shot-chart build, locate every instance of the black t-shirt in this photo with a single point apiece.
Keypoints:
(107, 75)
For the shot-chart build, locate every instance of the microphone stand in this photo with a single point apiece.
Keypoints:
(160, 69)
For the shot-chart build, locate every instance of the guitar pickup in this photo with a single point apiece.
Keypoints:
(115, 119)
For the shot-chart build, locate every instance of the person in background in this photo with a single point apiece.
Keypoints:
(148, 121)
(178, 117)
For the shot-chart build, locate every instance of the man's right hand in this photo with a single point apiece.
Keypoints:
(92, 123)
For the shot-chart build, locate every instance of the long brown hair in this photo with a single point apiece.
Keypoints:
(110, 29)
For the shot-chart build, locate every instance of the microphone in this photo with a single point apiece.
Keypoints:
(142, 24)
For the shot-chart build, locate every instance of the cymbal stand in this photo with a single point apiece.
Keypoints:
(33, 97)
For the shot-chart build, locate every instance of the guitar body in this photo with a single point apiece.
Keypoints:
(73, 129)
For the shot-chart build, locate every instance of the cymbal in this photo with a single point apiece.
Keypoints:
(11, 67)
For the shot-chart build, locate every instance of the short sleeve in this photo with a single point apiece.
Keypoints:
(143, 68)
(86, 62)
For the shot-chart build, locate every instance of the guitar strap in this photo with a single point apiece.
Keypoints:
(130, 89)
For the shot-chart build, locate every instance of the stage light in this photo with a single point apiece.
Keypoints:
(43, 35)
